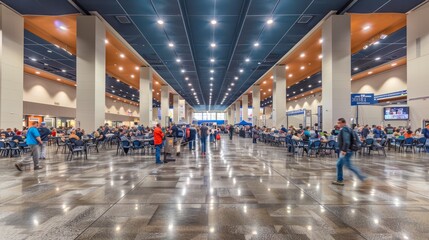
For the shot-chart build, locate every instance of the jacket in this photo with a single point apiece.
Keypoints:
(158, 135)
(425, 133)
(44, 134)
(344, 139)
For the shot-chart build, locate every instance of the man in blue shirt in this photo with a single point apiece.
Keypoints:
(33, 141)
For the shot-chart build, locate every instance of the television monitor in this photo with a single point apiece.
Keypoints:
(396, 113)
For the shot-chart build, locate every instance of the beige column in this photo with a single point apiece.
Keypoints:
(279, 96)
(245, 107)
(256, 104)
(90, 72)
(146, 101)
(237, 112)
(165, 104)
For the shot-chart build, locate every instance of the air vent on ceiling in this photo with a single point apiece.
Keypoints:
(123, 19)
(305, 19)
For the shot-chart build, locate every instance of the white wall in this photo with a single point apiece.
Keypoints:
(386, 82)
(47, 97)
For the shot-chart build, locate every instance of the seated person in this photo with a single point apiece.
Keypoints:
(296, 136)
(73, 135)
(408, 134)
(17, 138)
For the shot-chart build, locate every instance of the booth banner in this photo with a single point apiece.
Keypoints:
(295, 112)
(362, 99)
(390, 95)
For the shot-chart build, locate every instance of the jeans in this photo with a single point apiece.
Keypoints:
(191, 144)
(35, 153)
(230, 136)
(254, 140)
(158, 153)
(43, 150)
(345, 160)
(203, 144)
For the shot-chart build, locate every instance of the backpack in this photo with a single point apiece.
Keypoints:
(188, 133)
(179, 133)
(355, 143)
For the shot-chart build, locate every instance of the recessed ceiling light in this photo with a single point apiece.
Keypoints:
(117, 80)
(321, 40)
(178, 60)
(365, 47)
(356, 68)
(236, 78)
(287, 67)
(37, 72)
(270, 21)
(171, 44)
(122, 55)
(136, 68)
(320, 56)
(309, 86)
(211, 78)
(33, 59)
(229, 89)
(186, 78)
(121, 68)
(232, 84)
(106, 41)
(272, 77)
(308, 77)
(383, 36)
(367, 27)
(320, 81)
(132, 75)
(247, 60)
(269, 90)
(211, 84)
(256, 44)
(291, 75)
(302, 55)
(264, 82)
(369, 73)
(377, 58)
(302, 67)
(213, 22)
(58, 79)
(64, 28)
(211, 70)
(394, 64)
(212, 60)
(160, 22)
(241, 70)
(192, 89)
(183, 70)
(64, 70)
(376, 43)
(212, 45)
(189, 84)
(131, 87)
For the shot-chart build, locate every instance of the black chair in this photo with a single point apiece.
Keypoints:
(367, 145)
(4, 150)
(313, 147)
(407, 144)
(137, 145)
(60, 144)
(329, 147)
(421, 144)
(381, 146)
(77, 147)
(92, 144)
(24, 147)
(125, 147)
(14, 149)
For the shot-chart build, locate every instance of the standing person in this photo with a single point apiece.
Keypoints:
(33, 141)
(158, 137)
(192, 137)
(255, 134)
(203, 135)
(345, 138)
(44, 136)
(231, 131)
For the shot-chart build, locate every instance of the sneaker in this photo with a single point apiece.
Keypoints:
(340, 183)
(38, 168)
(159, 162)
(18, 166)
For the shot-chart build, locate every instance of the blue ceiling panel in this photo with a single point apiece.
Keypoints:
(41, 7)
(262, 8)
(384, 6)
(292, 7)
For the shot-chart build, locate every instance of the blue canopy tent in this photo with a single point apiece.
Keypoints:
(243, 123)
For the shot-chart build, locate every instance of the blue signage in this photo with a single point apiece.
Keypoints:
(362, 99)
(295, 112)
(391, 95)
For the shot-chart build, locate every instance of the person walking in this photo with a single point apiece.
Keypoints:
(44, 136)
(158, 137)
(345, 144)
(33, 141)
(231, 131)
(203, 136)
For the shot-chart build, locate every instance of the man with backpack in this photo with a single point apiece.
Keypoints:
(347, 143)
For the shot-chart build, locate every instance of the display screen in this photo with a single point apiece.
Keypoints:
(396, 113)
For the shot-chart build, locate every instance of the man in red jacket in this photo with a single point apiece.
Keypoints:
(158, 137)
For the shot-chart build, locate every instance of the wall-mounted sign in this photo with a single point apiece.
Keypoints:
(362, 99)
(391, 95)
(295, 112)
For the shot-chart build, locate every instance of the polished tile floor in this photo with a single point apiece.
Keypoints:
(239, 191)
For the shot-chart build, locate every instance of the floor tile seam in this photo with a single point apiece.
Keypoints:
(296, 185)
(114, 204)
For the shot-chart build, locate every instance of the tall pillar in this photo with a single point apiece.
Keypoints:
(245, 107)
(182, 110)
(11, 68)
(229, 116)
(175, 108)
(256, 104)
(336, 70)
(90, 72)
(279, 96)
(417, 65)
(237, 111)
(165, 104)
(146, 101)
(155, 114)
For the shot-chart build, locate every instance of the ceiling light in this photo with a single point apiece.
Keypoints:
(132, 75)
(302, 55)
(367, 27)
(241, 70)
(160, 22)
(213, 22)
(186, 78)
(291, 75)
(211, 84)
(236, 78)
(58, 79)
(394, 64)
(320, 81)
(308, 77)
(212, 45)
(122, 55)
(178, 60)
(192, 89)
(309, 86)
(247, 60)
(321, 40)
(264, 82)
(369, 73)
(212, 60)
(171, 44)
(383, 36)
(106, 41)
(320, 56)
(131, 87)
(117, 80)
(365, 47)
(64, 70)
(356, 68)
(272, 77)
(189, 84)
(211, 70)
(183, 70)
(33, 59)
(37, 72)
(121, 68)
(136, 68)
(270, 21)
(269, 90)
(302, 67)
(211, 89)
(377, 58)
(229, 89)
(232, 84)
(256, 44)
(376, 43)
(287, 67)
(211, 78)
(64, 28)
